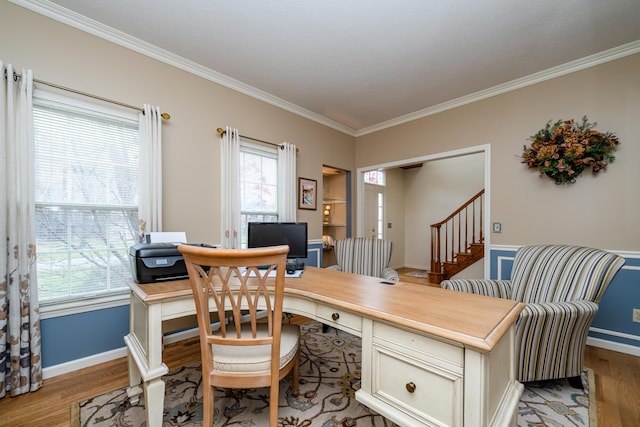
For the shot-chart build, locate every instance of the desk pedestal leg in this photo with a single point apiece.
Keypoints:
(135, 379)
(154, 401)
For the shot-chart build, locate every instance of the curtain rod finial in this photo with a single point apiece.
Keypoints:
(165, 116)
(220, 131)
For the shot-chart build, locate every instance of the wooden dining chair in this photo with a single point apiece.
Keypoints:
(254, 348)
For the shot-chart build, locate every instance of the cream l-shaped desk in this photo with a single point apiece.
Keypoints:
(430, 357)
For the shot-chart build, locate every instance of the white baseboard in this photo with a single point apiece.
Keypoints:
(85, 362)
(614, 346)
(96, 359)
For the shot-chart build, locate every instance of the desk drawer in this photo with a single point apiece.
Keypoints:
(421, 346)
(423, 390)
(341, 319)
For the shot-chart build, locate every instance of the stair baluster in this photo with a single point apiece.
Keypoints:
(459, 247)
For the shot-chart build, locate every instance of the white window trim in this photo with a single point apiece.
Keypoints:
(72, 103)
(49, 310)
(116, 298)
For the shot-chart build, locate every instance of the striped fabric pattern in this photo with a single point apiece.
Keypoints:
(545, 273)
(488, 288)
(550, 339)
(366, 256)
(561, 286)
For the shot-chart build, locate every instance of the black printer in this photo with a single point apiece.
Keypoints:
(156, 262)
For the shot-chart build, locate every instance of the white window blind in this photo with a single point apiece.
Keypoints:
(86, 175)
(258, 186)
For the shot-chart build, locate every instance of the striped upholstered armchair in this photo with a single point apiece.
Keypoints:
(363, 255)
(561, 287)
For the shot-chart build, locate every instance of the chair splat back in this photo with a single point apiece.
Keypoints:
(251, 348)
(230, 290)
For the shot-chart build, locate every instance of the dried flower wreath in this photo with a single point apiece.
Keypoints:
(561, 151)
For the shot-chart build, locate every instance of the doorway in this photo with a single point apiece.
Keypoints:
(336, 210)
(405, 202)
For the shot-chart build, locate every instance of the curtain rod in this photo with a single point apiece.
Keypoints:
(222, 132)
(165, 116)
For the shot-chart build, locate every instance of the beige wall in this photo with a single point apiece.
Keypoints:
(418, 197)
(600, 211)
(395, 204)
(60, 54)
(434, 191)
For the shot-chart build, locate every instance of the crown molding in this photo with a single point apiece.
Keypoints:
(73, 19)
(551, 73)
(80, 22)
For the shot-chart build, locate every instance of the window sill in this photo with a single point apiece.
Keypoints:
(66, 308)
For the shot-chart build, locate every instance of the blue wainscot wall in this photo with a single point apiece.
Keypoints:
(74, 341)
(613, 327)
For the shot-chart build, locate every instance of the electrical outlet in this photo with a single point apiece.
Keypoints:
(497, 227)
(636, 315)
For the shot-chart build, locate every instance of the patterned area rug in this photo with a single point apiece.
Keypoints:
(555, 403)
(329, 378)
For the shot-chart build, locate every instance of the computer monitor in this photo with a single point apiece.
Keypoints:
(294, 234)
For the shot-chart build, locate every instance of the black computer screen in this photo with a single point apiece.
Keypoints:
(294, 234)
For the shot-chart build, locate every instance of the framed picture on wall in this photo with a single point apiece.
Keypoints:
(307, 193)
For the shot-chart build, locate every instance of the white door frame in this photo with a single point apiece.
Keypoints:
(485, 148)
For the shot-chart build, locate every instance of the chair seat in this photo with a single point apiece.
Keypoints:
(255, 359)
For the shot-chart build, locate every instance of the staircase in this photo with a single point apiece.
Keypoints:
(458, 241)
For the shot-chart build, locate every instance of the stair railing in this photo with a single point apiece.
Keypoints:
(457, 232)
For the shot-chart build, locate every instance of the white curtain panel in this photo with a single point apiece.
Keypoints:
(19, 312)
(230, 179)
(150, 173)
(287, 187)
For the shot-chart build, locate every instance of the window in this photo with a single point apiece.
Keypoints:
(380, 219)
(374, 177)
(258, 186)
(86, 179)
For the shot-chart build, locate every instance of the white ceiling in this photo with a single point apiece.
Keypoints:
(359, 65)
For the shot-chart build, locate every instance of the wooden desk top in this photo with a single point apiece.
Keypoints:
(474, 321)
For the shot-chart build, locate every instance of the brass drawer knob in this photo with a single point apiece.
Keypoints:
(335, 316)
(411, 387)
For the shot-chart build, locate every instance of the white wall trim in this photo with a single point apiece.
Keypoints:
(551, 73)
(75, 20)
(615, 334)
(107, 356)
(614, 346)
(485, 148)
(67, 308)
(85, 362)
(82, 23)
(624, 254)
(499, 267)
(318, 256)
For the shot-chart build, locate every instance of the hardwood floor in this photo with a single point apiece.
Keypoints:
(51, 405)
(402, 272)
(617, 378)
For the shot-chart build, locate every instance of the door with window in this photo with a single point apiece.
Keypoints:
(374, 204)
